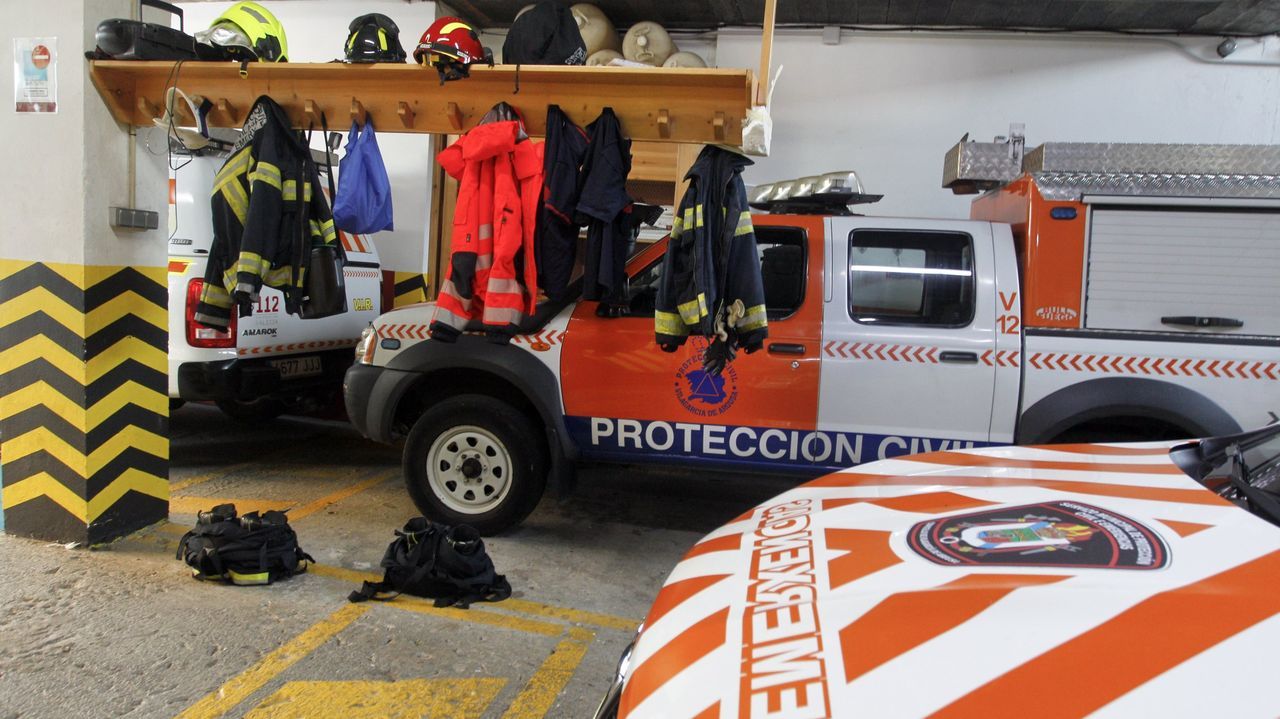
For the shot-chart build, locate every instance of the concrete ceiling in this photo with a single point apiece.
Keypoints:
(1207, 17)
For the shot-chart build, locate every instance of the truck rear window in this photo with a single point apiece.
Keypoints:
(911, 277)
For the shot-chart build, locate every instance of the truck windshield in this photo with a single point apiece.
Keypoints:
(1243, 468)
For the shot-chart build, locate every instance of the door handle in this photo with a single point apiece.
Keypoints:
(971, 357)
(783, 348)
(1191, 321)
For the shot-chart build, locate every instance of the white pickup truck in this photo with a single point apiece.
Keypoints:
(270, 361)
(1076, 305)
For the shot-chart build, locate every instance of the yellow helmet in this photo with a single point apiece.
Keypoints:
(248, 31)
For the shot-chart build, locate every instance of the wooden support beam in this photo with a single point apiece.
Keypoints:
(766, 52)
(695, 94)
(406, 115)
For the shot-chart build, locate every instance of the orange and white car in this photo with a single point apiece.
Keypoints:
(1068, 580)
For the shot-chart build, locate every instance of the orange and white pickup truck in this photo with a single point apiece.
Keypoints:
(1100, 292)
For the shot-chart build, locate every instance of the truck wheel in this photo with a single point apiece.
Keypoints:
(473, 459)
(263, 409)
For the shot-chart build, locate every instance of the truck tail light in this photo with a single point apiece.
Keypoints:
(200, 336)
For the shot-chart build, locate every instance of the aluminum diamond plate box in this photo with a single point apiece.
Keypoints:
(1153, 159)
(1073, 186)
(971, 167)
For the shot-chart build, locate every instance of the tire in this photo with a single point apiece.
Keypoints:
(473, 459)
(263, 409)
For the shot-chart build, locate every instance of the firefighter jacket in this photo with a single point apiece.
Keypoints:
(263, 230)
(711, 270)
(492, 274)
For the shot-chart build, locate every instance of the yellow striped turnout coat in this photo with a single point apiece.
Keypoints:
(258, 233)
(711, 261)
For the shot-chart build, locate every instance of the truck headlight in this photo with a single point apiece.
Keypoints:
(368, 343)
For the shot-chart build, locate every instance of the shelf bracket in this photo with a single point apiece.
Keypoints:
(358, 113)
(455, 116)
(147, 109)
(717, 126)
(406, 114)
(664, 124)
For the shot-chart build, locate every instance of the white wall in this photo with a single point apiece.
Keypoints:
(890, 105)
(317, 32)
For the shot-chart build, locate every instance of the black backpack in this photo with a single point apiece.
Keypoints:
(546, 35)
(253, 549)
(447, 564)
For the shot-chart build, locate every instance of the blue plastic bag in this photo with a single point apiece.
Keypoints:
(363, 204)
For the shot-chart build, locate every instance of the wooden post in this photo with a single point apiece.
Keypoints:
(766, 52)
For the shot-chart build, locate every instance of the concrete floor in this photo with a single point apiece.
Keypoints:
(124, 631)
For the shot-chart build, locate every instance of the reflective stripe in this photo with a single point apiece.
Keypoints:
(248, 289)
(698, 215)
(328, 231)
(499, 315)
(236, 198)
(744, 225)
(290, 191)
(666, 323)
(265, 172)
(486, 231)
(754, 319)
(215, 296)
(484, 262)
(252, 263)
(249, 579)
(283, 276)
(212, 320)
(505, 286)
(444, 316)
(694, 310)
(233, 168)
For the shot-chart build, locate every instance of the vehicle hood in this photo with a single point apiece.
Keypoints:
(1066, 580)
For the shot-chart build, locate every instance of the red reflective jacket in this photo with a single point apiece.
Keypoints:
(499, 177)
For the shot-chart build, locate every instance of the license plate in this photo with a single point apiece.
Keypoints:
(294, 367)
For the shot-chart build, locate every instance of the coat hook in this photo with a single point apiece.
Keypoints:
(406, 114)
(664, 124)
(455, 116)
(312, 112)
(717, 126)
(147, 109)
(226, 109)
(358, 113)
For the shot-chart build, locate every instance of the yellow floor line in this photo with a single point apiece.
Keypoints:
(193, 505)
(538, 696)
(227, 696)
(415, 604)
(451, 698)
(326, 501)
(576, 616)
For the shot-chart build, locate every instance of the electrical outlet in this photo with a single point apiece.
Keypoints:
(125, 218)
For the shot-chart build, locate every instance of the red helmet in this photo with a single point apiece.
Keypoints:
(451, 45)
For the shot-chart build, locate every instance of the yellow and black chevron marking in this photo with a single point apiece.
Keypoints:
(84, 405)
(410, 287)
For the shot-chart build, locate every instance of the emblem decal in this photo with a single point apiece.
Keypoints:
(1052, 534)
(702, 394)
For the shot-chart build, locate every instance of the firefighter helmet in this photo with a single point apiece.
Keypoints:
(450, 46)
(374, 38)
(248, 31)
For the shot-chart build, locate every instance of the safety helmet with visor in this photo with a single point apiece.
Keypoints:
(247, 31)
(374, 38)
(451, 46)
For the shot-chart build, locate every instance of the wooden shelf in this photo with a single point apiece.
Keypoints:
(687, 105)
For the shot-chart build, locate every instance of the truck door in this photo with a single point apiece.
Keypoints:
(624, 396)
(908, 360)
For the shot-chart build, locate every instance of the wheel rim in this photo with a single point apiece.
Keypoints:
(469, 469)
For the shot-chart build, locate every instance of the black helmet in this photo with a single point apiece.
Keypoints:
(374, 38)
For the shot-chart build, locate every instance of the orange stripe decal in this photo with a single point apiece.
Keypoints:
(719, 544)
(925, 503)
(1139, 644)
(1112, 451)
(1184, 529)
(673, 658)
(866, 551)
(1158, 494)
(959, 459)
(675, 594)
(904, 621)
(710, 712)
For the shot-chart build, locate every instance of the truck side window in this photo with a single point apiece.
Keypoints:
(911, 278)
(783, 256)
